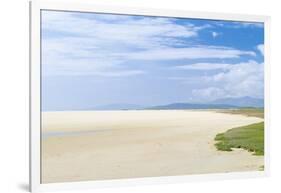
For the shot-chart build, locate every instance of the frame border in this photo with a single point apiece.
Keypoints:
(35, 94)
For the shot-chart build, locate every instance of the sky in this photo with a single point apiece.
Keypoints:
(94, 59)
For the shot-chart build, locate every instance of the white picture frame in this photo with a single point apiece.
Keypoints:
(35, 137)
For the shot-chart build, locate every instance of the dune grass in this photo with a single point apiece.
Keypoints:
(251, 112)
(250, 137)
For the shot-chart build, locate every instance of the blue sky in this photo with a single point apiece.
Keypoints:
(90, 60)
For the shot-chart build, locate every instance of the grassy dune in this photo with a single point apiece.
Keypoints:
(251, 112)
(250, 137)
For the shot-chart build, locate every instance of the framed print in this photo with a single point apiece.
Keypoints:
(123, 96)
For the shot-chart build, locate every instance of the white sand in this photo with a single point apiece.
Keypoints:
(97, 145)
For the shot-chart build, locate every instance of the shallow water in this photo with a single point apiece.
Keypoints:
(48, 134)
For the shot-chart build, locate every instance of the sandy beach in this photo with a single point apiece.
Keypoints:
(98, 145)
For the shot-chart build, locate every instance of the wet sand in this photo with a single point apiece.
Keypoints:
(99, 145)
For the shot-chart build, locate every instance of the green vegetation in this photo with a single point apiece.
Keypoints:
(250, 137)
(251, 112)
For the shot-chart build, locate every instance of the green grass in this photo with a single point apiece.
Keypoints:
(250, 137)
(251, 112)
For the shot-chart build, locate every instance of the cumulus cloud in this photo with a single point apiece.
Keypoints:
(241, 79)
(169, 59)
(101, 45)
(260, 47)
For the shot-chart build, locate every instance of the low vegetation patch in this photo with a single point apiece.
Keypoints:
(251, 112)
(250, 137)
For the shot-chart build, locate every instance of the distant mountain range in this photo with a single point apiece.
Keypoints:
(241, 102)
(192, 106)
(223, 103)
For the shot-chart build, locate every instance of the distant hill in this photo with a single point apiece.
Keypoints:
(223, 103)
(241, 102)
(192, 106)
(118, 106)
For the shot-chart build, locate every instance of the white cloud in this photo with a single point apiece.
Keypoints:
(201, 52)
(205, 66)
(242, 79)
(260, 47)
(126, 29)
(215, 34)
(77, 44)
(101, 45)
